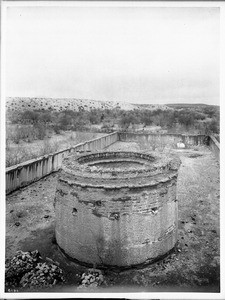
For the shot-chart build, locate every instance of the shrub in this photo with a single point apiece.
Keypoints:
(19, 133)
(29, 116)
(186, 118)
(16, 155)
(48, 147)
(213, 127)
(22, 133)
(56, 128)
(40, 129)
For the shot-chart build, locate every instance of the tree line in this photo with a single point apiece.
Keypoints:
(205, 119)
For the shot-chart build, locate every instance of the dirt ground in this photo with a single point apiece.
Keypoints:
(194, 265)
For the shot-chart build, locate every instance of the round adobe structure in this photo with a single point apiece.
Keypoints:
(117, 208)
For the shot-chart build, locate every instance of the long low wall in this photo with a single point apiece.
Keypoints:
(163, 139)
(214, 146)
(30, 171)
(25, 173)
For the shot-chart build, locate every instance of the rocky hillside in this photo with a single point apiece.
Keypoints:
(60, 104)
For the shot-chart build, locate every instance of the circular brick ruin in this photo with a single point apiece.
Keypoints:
(117, 208)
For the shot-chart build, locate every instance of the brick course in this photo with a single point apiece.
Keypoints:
(118, 220)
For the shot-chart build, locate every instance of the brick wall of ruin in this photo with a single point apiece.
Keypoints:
(113, 224)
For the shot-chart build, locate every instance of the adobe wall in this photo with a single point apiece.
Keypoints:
(30, 171)
(214, 146)
(117, 214)
(162, 139)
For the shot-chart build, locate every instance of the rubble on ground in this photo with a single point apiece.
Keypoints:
(92, 279)
(28, 270)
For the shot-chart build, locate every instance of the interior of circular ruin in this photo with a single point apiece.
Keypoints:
(106, 161)
(117, 164)
(116, 155)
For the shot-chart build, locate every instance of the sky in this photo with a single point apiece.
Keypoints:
(150, 55)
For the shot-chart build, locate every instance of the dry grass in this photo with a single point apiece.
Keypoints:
(18, 152)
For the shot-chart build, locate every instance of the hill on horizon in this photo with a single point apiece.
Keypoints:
(60, 104)
(190, 105)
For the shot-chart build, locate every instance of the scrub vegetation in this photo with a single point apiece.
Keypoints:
(33, 133)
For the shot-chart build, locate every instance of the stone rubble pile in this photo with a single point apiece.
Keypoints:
(27, 270)
(42, 275)
(92, 279)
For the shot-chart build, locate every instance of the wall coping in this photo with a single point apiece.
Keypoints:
(153, 133)
(215, 141)
(40, 158)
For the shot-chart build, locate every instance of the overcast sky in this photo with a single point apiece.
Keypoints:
(132, 54)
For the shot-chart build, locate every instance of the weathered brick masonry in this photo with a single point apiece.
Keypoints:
(117, 208)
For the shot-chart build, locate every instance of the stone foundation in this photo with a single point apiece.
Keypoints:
(117, 208)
